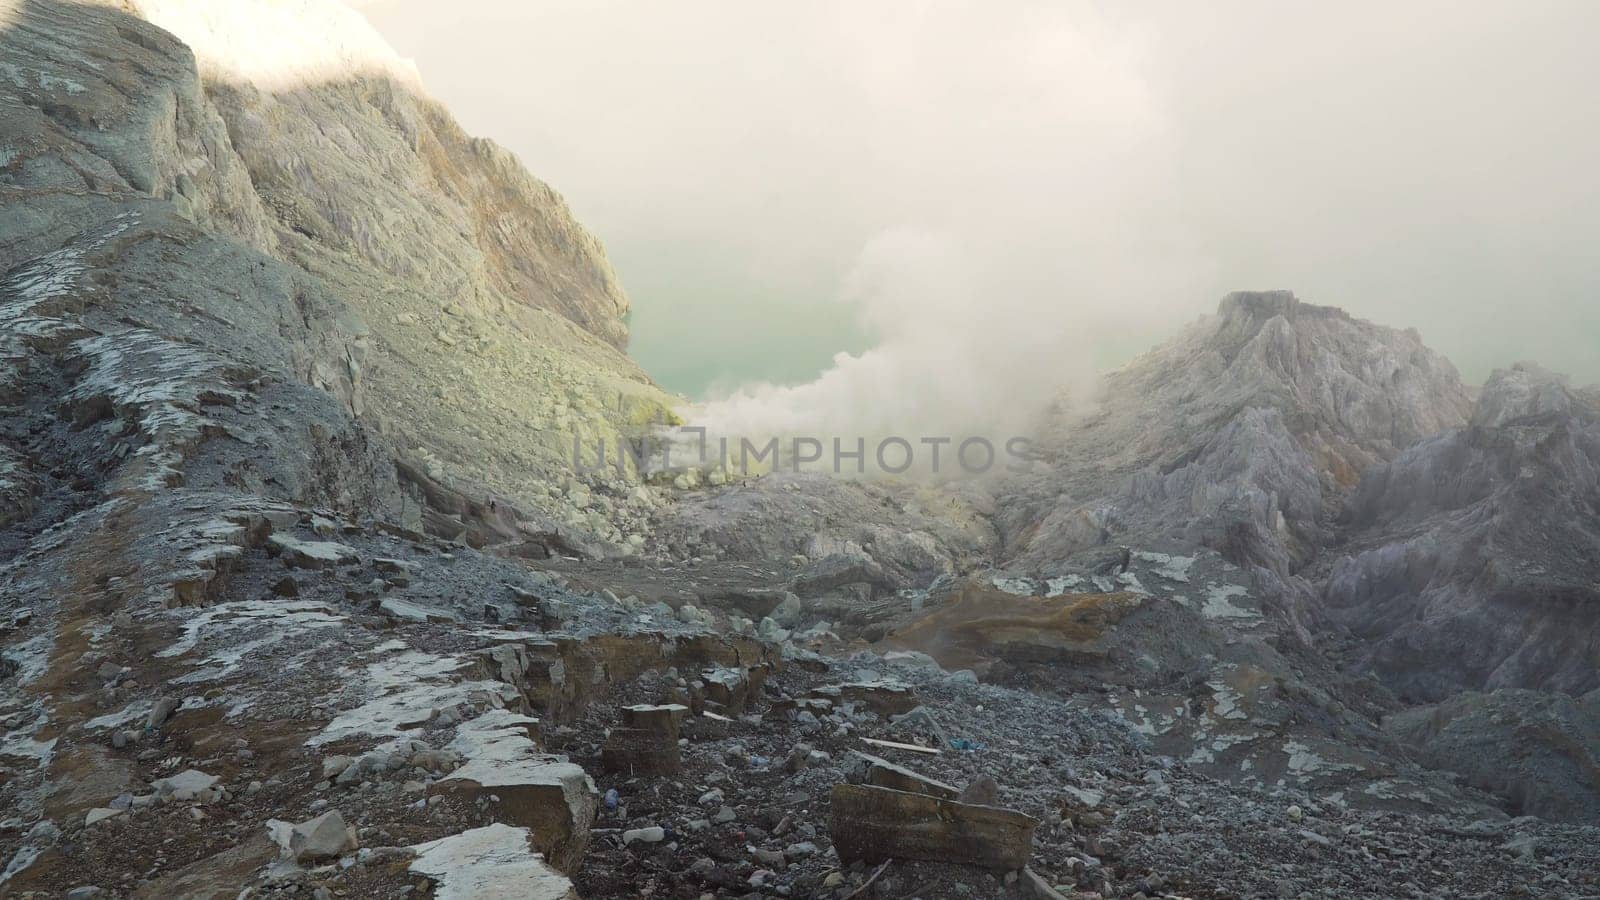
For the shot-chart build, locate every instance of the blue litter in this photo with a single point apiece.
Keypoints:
(611, 799)
(964, 744)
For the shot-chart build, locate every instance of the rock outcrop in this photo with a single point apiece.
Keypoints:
(1474, 556)
(1538, 749)
(1242, 435)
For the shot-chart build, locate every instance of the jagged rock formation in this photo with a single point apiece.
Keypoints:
(1241, 435)
(1378, 531)
(1474, 557)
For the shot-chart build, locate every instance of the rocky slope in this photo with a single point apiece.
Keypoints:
(478, 324)
(299, 594)
(1470, 580)
(1380, 524)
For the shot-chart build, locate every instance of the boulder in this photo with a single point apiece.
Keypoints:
(99, 815)
(324, 837)
(787, 613)
(664, 720)
(162, 710)
(646, 743)
(1034, 886)
(414, 613)
(639, 751)
(981, 791)
(727, 688)
(184, 786)
(837, 570)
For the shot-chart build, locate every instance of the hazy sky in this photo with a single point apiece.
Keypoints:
(1019, 193)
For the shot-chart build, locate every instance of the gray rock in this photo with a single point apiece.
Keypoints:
(787, 613)
(771, 859)
(769, 630)
(323, 837)
(1313, 838)
(1535, 746)
(983, 791)
(799, 757)
(184, 786)
(333, 765)
(837, 570)
(163, 708)
(301, 554)
(800, 850)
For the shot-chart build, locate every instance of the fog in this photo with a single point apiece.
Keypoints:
(927, 216)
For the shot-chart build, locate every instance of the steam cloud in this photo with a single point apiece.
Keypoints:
(1004, 198)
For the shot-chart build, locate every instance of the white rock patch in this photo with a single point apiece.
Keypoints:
(494, 862)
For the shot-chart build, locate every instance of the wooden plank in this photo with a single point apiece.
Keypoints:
(880, 772)
(894, 745)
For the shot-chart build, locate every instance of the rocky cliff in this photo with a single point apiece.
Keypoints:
(476, 325)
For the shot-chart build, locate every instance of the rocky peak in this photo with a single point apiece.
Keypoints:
(1527, 392)
(1263, 305)
(1246, 428)
(1241, 315)
(1336, 378)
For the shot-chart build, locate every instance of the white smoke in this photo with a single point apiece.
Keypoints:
(1010, 195)
(947, 348)
(279, 44)
(1033, 236)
